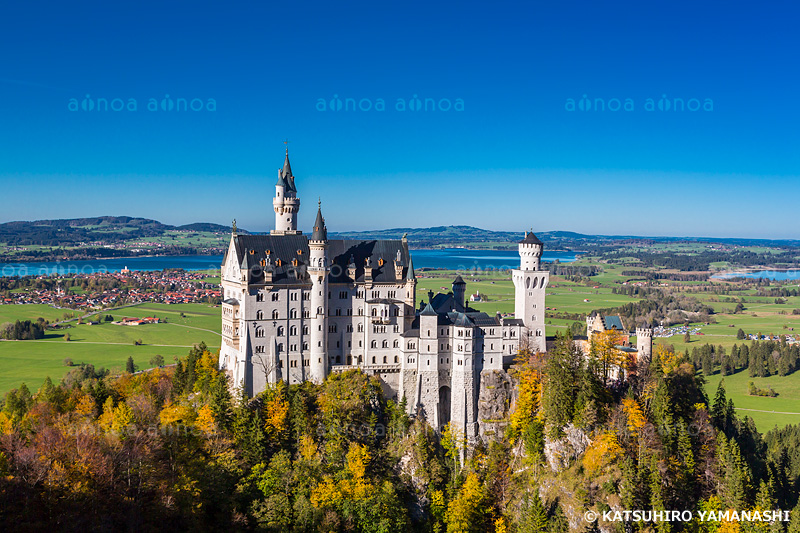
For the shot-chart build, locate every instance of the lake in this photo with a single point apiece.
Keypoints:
(778, 275)
(450, 258)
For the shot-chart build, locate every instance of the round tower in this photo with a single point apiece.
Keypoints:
(644, 343)
(530, 252)
(286, 203)
(318, 272)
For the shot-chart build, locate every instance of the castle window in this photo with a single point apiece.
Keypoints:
(294, 347)
(305, 330)
(373, 359)
(360, 328)
(360, 311)
(280, 331)
(392, 294)
(342, 295)
(374, 344)
(384, 359)
(380, 262)
(259, 349)
(349, 359)
(349, 344)
(338, 359)
(306, 313)
(259, 332)
(260, 297)
(385, 344)
(349, 311)
(280, 346)
(396, 344)
(329, 295)
(293, 313)
(338, 312)
(274, 314)
(278, 262)
(360, 344)
(293, 296)
(259, 315)
(538, 333)
(349, 328)
(319, 311)
(305, 346)
(374, 311)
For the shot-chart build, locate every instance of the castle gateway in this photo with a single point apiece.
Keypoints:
(297, 307)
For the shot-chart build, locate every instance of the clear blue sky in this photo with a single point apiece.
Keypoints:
(512, 159)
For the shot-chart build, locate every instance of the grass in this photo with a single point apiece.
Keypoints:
(765, 412)
(105, 345)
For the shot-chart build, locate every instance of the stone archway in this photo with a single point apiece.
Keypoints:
(444, 406)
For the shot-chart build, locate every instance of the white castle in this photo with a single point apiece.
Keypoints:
(299, 307)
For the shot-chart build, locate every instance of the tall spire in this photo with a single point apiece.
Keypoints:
(320, 231)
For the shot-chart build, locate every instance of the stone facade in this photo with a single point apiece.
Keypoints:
(297, 307)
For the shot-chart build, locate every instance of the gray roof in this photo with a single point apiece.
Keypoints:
(530, 238)
(428, 311)
(459, 281)
(285, 176)
(613, 322)
(320, 231)
(289, 248)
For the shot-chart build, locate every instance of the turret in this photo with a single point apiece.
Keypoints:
(459, 292)
(530, 252)
(286, 203)
(318, 272)
(644, 344)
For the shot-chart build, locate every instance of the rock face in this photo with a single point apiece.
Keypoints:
(561, 452)
(494, 401)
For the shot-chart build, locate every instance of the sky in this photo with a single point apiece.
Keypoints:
(646, 118)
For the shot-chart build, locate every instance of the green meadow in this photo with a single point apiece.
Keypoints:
(107, 345)
(766, 412)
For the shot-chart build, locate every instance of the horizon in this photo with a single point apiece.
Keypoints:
(398, 228)
(571, 116)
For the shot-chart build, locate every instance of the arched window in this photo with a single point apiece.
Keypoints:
(280, 331)
(396, 360)
(293, 313)
(527, 283)
(280, 346)
(305, 330)
(374, 311)
(385, 345)
(274, 314)
(259, 332)
(384, 359)
(259, 315)
(293, 330)
(360, 328)
(534, 283)
(374, 344)
(396, 344)
(373, 359)
(538, 333)
(319, 310)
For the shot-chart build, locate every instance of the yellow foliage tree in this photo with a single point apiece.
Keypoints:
(122, 419)
(277, 417)
(466, 510)
(603, 451)
(528, 401)
(354, 487)
(85, 407)
(175, 413)
(604, 349)
(205, 420)
(307, 448)
(107, 417)
(207, 369)
(635, 416)
(5, 424)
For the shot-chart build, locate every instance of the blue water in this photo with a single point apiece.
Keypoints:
(778, 275)
(451, 259)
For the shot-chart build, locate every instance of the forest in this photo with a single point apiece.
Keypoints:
(179, 449)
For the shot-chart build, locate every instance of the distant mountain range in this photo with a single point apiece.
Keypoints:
(115, 230)
(70, 232)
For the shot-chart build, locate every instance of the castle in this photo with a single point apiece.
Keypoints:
(297, 307)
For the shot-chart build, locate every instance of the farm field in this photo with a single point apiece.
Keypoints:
(765, 412)
(106, 345)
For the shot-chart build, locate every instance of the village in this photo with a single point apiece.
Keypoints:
(113, 289)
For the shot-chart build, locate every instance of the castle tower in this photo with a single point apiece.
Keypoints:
(459, 292)
(428, 374)
(318, 272)
(644, 344)
(530, 282)
(286, 203)
(463, 383)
